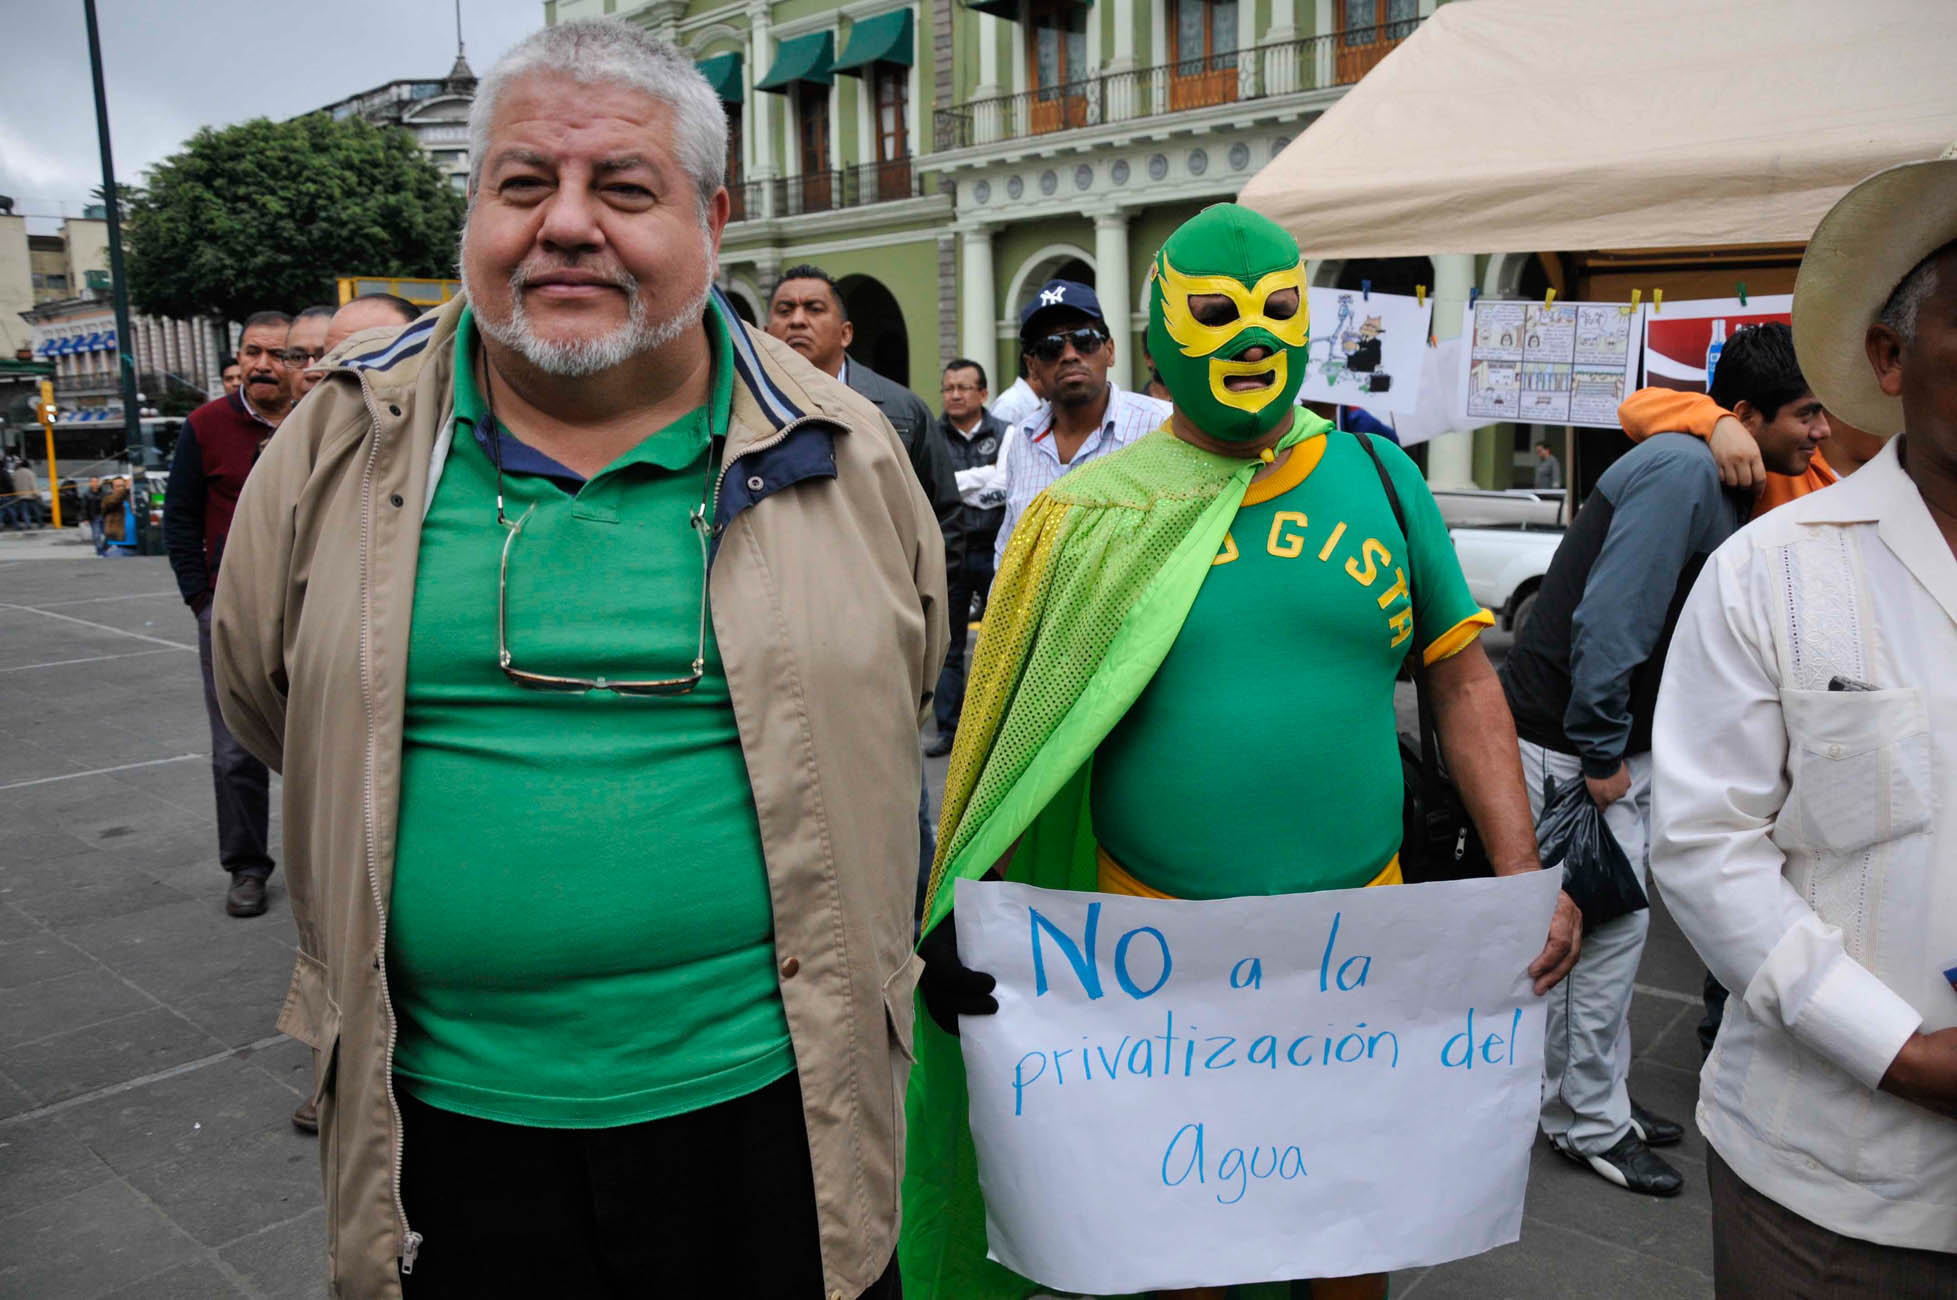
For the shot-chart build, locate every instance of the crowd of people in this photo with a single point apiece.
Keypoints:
(596, 633)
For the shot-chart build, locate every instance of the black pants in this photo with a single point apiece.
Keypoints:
(241, 782)
(973, 579)
(716, 1202)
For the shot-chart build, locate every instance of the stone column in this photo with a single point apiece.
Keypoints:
(1281, 56)
(985, 110)
(1451, 458)
(1111, 286)
(977, 319)
(761, 53)
(1326, 30)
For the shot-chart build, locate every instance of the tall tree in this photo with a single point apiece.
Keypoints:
(267, 214)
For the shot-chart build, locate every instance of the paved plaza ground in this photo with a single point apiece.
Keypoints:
(146, 1149)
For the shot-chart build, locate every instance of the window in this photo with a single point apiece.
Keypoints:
(891, 84)
(814, 127)
(1370, 29)
(1205, 68)
(1057, 52)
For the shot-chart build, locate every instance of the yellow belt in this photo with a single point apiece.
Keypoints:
(1115, 880)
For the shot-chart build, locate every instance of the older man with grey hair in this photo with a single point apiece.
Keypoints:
(592, 631)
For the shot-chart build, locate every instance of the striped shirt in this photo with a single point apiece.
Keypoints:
(1031, 461)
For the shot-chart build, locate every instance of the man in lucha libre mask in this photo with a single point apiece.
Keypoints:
(1184, 688)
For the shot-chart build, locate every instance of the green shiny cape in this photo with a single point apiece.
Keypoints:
(1098, 577)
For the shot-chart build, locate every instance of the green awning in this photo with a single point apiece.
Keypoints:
(723, 73)
(808, 58)
(886, 38)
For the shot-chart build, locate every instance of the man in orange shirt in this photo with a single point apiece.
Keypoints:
(1672, 410)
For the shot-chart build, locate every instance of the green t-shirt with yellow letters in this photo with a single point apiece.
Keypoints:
(1263, 758)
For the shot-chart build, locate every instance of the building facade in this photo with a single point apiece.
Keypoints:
(435, 112)
(942, 159)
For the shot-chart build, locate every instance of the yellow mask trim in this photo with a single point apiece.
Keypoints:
(1198, 340)
(1250, 399)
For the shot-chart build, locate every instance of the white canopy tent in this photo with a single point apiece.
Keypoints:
(1523, 125)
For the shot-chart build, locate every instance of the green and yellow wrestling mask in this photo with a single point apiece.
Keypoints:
(1228, 321)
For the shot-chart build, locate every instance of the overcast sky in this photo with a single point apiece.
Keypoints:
(172, 66)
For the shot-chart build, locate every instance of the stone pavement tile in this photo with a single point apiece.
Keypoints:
(198, 1280)
(229, 1190)
(14, 1099)
(1652, 1020)
(1675, 1229)
(65, 1003)
(32, 841)
(68, 1065)
(180, 1117)
(1669, 961)
(16, 924)
(287, 1062)
(242, 1008)
(284, 1263)
(92, 896)
(1554, 1263)
(95, 1241)
(40, 956)
(1674, 1044)
(43, 1164)
(184, 948)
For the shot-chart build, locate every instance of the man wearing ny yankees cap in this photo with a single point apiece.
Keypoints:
(1068, 345)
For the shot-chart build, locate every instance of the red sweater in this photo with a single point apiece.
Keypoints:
(219, 445)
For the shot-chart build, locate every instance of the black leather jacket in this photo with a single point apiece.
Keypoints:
(981, 524)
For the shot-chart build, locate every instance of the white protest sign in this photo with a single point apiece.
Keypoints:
(1180, 1094)
(1548, 363)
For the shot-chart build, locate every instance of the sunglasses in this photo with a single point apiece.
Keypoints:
(1086, 340)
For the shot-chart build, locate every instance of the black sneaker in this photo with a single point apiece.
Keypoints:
(246, 897)
(940, 744)
(1631, 1165)
(1654, 1130)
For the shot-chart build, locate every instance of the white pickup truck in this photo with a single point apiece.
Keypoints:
(1505, 541)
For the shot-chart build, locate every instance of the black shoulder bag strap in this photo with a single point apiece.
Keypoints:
(1430, 763)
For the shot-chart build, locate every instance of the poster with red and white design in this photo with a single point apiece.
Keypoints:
(1682, 339)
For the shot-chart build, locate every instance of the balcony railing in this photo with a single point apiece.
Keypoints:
(829, 191)
(1286, 68)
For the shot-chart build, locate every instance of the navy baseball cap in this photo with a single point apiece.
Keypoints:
(1059, 295)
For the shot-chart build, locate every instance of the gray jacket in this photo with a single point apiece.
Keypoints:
(1583, 676)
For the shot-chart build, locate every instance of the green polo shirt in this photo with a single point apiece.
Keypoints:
(580, 931)
(1262, 757)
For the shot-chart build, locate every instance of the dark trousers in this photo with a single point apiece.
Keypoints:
(971, 582)
(1715, 999)
(715, 1202)
(242, 783)
(1761, 1250)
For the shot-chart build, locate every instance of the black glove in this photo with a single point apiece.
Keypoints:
(952, 989)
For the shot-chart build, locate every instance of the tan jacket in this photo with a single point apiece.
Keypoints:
(828, 600)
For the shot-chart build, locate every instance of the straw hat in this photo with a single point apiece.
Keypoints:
(1869, 241)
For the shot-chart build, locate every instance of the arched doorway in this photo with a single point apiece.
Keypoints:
(881, 343)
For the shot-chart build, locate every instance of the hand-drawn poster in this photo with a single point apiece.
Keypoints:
(1682, 340)
(1564, 363)
(1366, 350)
(1179, 1094)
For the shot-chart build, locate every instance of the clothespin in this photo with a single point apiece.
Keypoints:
(1742, 293)
(1637, 295)
(1548, 297)
(1473, 293)
(1657, 301)
(1420, 295)
(1366, 290)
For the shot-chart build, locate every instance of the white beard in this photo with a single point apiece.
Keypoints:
(574, 358)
